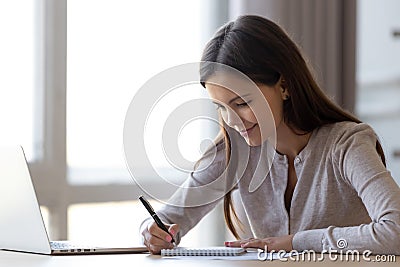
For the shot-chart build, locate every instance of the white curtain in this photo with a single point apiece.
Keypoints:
(326, 32)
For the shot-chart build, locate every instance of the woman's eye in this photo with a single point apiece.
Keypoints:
(244, 104)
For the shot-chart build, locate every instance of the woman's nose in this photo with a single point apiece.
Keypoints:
(231, 118)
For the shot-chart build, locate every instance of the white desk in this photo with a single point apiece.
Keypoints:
(15, 259)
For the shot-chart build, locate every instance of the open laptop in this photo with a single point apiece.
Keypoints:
(21, 223)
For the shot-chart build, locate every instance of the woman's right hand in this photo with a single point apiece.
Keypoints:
(156, 239)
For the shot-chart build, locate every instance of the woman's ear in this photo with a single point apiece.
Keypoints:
(284, 91)
(283, 82)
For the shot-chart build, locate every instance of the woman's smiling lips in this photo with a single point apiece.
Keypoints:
(246, 132)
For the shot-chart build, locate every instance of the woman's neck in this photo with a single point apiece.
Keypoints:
(288, 142)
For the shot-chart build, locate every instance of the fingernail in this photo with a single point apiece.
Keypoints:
(168, 238)
(172, 232)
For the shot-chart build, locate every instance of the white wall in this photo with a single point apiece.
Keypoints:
(378, 51)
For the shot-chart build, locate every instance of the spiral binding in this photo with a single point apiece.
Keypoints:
(218, 251)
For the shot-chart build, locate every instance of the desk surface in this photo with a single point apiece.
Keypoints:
(13, 259)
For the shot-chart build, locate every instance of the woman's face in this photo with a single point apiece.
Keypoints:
(238, 111)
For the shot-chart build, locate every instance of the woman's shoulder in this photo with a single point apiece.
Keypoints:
(346, 132)
(345, 128)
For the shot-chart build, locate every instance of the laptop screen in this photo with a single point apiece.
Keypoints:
(21, 223)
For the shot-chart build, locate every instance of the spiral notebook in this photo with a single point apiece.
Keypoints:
(210, 251)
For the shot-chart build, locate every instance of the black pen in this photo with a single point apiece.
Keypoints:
(159, 223)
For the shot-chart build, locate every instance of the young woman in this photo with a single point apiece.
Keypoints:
(327, 186)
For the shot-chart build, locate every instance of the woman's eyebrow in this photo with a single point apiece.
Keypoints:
(233, 99)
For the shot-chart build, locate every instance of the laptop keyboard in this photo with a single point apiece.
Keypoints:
(65, 246)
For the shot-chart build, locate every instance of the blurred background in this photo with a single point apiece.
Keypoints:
(69, 69)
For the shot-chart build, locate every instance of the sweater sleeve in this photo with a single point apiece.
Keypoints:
(198, 195)
(361, 167)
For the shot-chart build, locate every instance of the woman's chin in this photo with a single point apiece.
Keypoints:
(252, 141)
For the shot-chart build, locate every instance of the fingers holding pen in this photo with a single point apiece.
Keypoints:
(173, 229)
(155, 230)
(156, 239)
(157, 235)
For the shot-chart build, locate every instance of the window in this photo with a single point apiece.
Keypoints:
(119, 222)
(111, 53)
(378, 77)
(67, 97)
(113, 48)
(17, 67)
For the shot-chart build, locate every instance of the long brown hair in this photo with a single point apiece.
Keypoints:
(263, 51)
